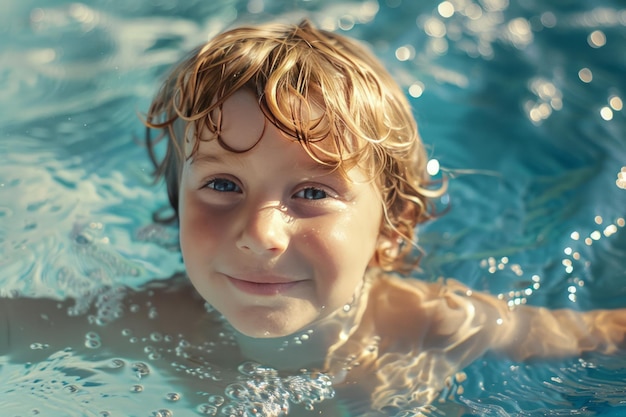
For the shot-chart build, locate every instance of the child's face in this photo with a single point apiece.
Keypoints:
(270, 238)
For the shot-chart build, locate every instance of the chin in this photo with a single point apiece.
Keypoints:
(267, 328)
(265, 332)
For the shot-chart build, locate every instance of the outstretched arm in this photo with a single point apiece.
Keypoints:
(542, 333)
(473, 322)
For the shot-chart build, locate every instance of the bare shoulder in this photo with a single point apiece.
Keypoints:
(414, 294)
(439, 314)
(410, 306)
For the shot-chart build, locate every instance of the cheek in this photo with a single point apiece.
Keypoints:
(198, 231)
(341, 250)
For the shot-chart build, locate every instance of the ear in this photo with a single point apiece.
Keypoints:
(386, 252)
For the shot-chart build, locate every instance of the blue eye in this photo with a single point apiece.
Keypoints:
(223, 185)
(312, 194)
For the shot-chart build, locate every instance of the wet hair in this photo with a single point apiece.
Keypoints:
(295, 71)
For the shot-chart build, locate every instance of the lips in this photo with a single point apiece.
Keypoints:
(262, 285)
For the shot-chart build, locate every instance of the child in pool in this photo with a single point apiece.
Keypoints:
(297, 176)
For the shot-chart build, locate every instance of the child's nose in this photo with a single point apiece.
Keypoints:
(264, 232)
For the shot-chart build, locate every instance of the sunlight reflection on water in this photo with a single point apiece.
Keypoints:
(527, 98)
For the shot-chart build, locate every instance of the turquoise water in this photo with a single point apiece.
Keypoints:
(520, 102)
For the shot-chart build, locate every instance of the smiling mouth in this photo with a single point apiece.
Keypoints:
(262, 288)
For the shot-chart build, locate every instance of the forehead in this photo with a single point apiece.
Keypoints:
(240, 122)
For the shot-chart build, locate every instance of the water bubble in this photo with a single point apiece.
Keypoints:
(248, 368)
(92, 336)
(140, 369)
(156, 337)
(216, 400)
(154, 356)
(39, 346)
(172, 396)
(162, 413)
(136, 388)
(207, 409)
(93, 343)
(116, 364)
(72, 389)
(232, 410)
(237, 391)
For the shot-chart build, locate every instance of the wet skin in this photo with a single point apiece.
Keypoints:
(272, 239)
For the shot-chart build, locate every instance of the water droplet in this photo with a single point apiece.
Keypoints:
(136, 388)
(39, 346)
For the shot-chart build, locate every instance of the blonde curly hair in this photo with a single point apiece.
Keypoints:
(366, 119)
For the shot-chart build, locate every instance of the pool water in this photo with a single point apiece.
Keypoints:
(520, 103)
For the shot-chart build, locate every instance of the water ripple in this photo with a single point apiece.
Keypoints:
(65, 232)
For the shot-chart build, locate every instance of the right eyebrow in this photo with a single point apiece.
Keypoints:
(209, 158)
(203, 157)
